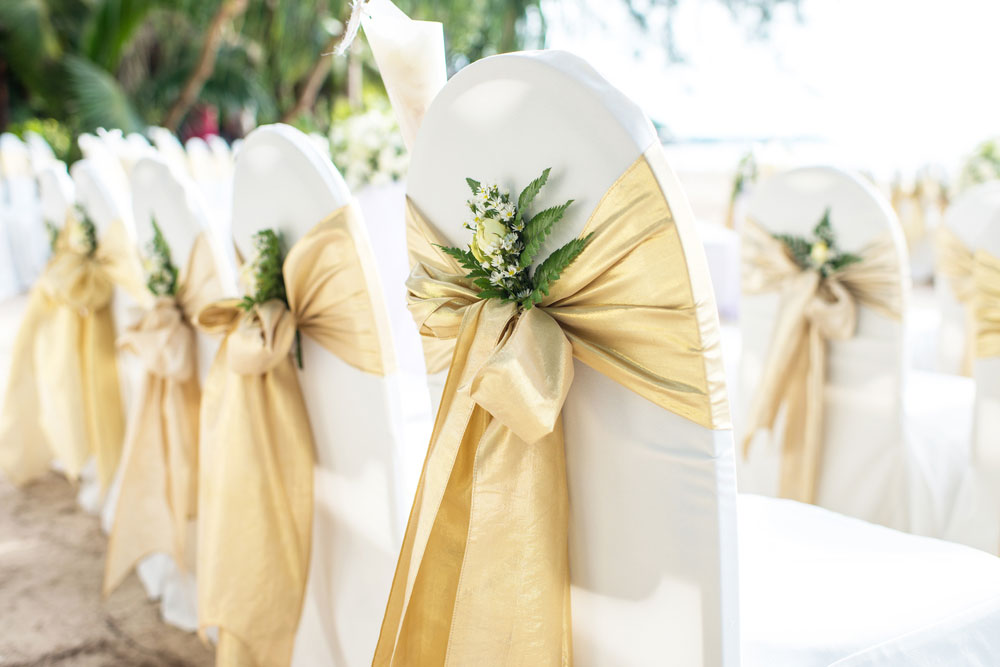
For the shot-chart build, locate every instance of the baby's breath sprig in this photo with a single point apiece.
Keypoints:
(506, 242)
(265, 279)
(821, 252)
(161, 274)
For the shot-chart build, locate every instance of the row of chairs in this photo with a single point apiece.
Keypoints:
(661, 569)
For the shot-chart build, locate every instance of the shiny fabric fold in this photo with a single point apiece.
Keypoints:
(483, 574)
(812, 311)
(987, 305)
(63, 401)
(954, 261)
(257, 452)
(159, 469)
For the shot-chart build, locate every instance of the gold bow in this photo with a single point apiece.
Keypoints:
(159, 469)
(987, 304)
(813, 310)
(955, 264)
(256, 477)
(63, 400)
(483, 574)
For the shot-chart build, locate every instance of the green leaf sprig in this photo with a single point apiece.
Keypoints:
(506, 242)
(82, 236)
(821, 252)
(53, 233)
(265, 278)
(161, 274)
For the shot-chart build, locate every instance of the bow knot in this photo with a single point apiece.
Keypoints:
(832, 310)
(163, 340)
(77, 280)
(259, 338)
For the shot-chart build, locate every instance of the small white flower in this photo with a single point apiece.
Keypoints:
(511, 271)
(496, 278)
(509, 241)
(518, 226)
(523, 293)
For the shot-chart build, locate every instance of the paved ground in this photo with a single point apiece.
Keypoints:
(51, 611)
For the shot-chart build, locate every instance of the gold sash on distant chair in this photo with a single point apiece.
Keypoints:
(256, 479)
(483, 574)
(63, 400)
(955, 264)
(813, 310)
(159, 470)
(987, 304)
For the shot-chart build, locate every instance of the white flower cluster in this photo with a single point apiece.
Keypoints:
(251, 268)
(498, 243)
(368, 149)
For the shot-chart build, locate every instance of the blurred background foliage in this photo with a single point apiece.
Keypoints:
(225, 66)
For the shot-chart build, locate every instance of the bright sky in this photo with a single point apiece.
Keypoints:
(885, 84)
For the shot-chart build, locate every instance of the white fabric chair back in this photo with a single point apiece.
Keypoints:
(215, 185)
(58, 194)
(21, 210)
(96, 194)
(863, 469)
(160, 193)
(102, 159)
(967, 217)
(222, 155)
(363, 487)
(986, 371)
(652, 525)
(39, 150)
(169, 147)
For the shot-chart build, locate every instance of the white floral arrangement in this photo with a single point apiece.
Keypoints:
(81, 235)
(506, 240)
(368, 148)
(161, 274)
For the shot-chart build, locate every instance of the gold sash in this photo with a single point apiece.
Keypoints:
(159, 478)
(63, 400)
(483, 574)
(813, 311)
(987, 304)
(256, 473)
(955, 264)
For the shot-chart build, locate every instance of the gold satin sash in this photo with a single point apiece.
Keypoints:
(63, 400)
(955, 263)
(483, 574)
(159, 477)
(256, 474)
(987, 304)
(813, 311)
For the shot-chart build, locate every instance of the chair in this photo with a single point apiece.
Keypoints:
(901, 432)
(28, 239)
(975, 519)
(214, 183)
(96, 193)
(364, 474)
(656, 574)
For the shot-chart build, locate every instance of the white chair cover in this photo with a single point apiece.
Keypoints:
(967, 218)
(26, 234)
(363, 485)
(215, 183)
(894, 440)
(160, 193)
(96, 194)
(652, 498)
(975, 519)
(652, 505)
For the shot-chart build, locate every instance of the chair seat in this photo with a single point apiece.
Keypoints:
(820, 589)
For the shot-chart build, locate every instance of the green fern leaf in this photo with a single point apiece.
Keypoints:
(473, 185)
(538, 229)
(549, 271)
(529, 193)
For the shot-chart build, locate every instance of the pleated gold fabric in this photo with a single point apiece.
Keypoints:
(987, 304)
(813, 310)
(257, 453)
(483, 574)
(955, 263)
(159, 469)
(62, 401)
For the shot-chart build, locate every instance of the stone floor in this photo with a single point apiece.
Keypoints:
(51, 611)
